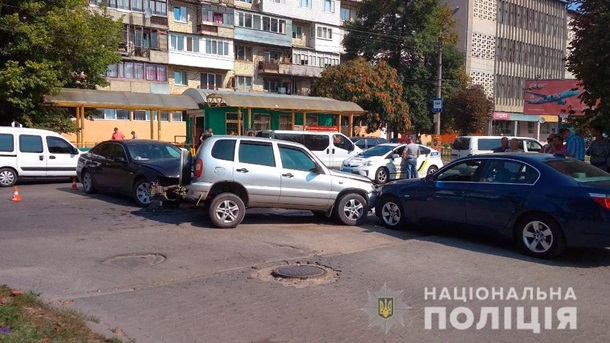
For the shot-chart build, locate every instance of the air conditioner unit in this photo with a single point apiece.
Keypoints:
(281, 90)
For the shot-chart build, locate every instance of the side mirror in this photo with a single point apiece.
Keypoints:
(75, 151)
(395, 156)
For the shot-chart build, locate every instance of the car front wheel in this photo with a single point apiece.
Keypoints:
(227, 210)
(432, 170)
(391, 213)
(141, 193)
(88, 182)
(540, 236)
(382, 175)
(8, 177)
(351, 209)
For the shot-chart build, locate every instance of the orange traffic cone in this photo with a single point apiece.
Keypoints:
(16, 196)
(74, 187)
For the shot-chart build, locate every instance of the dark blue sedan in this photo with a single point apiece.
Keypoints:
(544, 202)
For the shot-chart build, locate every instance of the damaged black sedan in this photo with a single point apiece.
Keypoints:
(134, 167)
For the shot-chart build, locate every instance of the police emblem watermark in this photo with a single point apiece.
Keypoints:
(385, 308)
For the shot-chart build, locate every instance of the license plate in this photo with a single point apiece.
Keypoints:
(347, 170)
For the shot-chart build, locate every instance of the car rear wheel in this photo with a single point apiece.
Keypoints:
(540, 236)
(88, 183)
(227, 210)
(391, 213)
(432, 170)
(141, 193)
(382, 175)
(8, 177)
(351, 209)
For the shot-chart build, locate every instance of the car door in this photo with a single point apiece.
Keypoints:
(32, 157)
(422, 161)
(503, 188)
(341, 149)
(395, 165)
(63, 157)
(117, 172)
(95, 162)
(441, 199)
(257, 169)
(302, 185)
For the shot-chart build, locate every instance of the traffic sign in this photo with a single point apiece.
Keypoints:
(437, 105)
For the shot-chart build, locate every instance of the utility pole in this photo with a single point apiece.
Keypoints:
(439, 83)
(439, 78)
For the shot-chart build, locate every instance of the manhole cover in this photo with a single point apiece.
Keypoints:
(135, 260)
(298, 272)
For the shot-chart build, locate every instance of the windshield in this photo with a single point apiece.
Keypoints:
(578, 170)
(378, 150)
(151, 152)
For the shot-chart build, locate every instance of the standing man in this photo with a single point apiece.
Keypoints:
(117, 135)
(409, 159)
(575, 145)
(503, 145)
(514, 146)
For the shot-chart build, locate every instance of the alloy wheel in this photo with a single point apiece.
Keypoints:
(353, 209)
(227, 211)
(537, 237)
(390, 214)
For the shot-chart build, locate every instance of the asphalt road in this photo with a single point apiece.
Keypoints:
(171, 277)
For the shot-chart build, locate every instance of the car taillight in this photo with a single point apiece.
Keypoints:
(602, 199)
(198, 168)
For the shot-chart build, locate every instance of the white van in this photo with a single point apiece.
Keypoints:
(476, 145)
(331, 147)
(34, 153)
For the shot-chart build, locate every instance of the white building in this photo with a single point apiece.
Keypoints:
(507, 42)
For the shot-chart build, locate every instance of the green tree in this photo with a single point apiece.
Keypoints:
(468, 110)
(406, 35)
(376, 88)
(47, 45)
(589, 57)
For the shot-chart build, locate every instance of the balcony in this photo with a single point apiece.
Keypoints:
(305, 71)
(268, 67)
(230, 3)
(158, 21)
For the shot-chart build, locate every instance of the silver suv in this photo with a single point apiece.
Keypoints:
(233, 173)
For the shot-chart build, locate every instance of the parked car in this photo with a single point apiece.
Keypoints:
(367, 142)
(29, 153)
(131, 167)
(382, 162)
(476, 145)
(233, 173)
(544, 202)
(330, 147)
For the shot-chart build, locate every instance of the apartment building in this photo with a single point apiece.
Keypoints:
(507, 42)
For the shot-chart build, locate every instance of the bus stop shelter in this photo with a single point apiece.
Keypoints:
(80, 99)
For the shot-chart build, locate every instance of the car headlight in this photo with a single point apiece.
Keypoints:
(368, 163)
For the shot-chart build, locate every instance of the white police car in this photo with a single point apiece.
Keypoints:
(382, 162)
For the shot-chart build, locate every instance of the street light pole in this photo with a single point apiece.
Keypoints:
(439, 78)
(439, 83)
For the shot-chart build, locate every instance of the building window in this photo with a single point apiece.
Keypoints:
(243, 53)
(232, 122)
(184, 43)
(285, 122)
(177, 116)
(211, 81)
(297, 32)
(329, 6)
(305, 3)
(216, 47)
(137, 71)
(110, 114)
(217, 14)
(180, 14)
(271, 85)
(325, 32)
(180, 78)
(262, 121)
(258, 22)
(244, 82)
(141, 115)
(530, 127)
(158, 7)
(244, 1)
(345, 14)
